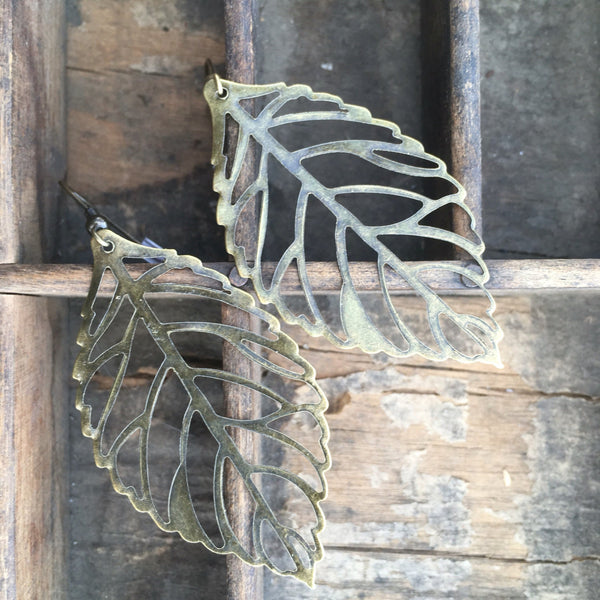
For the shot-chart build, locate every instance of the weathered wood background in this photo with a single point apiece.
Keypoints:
(448, 481)
(33, 414)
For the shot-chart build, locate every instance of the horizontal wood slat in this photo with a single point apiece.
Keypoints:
(506, 276)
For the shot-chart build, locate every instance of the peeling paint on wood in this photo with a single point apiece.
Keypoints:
(561, 518)
(444, 418)
(436, 501)
(403, 484)
(389, 576)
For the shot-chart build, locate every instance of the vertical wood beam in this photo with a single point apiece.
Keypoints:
(451, 95)
(243, 581)
(465, 107)
(33, 409)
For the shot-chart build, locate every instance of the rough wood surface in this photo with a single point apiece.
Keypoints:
(448, 481)
(139, 131)
(32, 412)
(540, 125)
(33, 438)
(135, 70)
(243, 581)
(506, 276)
(464, 482)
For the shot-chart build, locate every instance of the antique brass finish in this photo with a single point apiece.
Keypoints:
(301, 548)
(234, 105)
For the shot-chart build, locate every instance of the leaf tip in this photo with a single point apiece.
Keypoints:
(493, 358)
(307, 576)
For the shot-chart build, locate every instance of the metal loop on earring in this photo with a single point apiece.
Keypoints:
(211, 74)
(94, 225)
(106, 246)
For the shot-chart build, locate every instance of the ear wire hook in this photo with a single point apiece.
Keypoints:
(96, 220)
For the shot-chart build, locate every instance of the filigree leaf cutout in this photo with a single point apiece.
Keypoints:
(116, 426)
(259, 123)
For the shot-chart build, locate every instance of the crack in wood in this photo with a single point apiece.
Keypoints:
(455, 555)
(105, 72)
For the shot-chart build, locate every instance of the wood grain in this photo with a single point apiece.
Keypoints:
(8, 458)
(33, 526)
(135, 74)
(506, 276)
(453, 480)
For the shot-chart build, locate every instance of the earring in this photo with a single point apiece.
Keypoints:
(123, 434)
(249, 120)
(265, 120)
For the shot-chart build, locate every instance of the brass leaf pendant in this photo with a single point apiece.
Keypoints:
(125, 436)
(260, 116)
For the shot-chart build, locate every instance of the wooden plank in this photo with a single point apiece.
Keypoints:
(506, 276)
(451, 96)
(243, 581)
(139, 130)
(136, 115)
(8, 588)
(33, 465)
(463, 481)
(33, 540)
(530, 208)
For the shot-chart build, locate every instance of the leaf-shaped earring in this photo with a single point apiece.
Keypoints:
(123, 434)
(265, 120)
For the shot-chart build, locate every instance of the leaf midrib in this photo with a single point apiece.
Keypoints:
(211, 419)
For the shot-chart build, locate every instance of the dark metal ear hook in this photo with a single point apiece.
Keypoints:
(95, 221)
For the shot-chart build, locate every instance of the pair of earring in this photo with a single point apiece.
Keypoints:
(257, 123)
